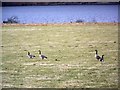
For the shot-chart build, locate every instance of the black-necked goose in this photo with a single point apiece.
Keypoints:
(30, 56)
(102, 58)
(42, 56)
(96, 55)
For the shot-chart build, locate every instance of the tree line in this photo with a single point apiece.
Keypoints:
(54, 3)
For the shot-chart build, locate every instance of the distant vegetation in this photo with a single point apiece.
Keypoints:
(53, 3)
(80, 21)
(13, 19)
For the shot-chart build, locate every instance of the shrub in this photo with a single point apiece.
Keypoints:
(13, 19)
(79, 21)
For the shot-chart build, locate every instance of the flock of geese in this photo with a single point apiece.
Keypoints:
(40, 55)
(99, 58)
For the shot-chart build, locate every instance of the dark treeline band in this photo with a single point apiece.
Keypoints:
(55, 3)
(59, 88)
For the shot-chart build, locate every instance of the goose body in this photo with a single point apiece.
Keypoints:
(102, 58)
(42, 56)
(30, 56)
(96, 55)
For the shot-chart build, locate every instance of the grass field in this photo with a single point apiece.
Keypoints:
(70, 49)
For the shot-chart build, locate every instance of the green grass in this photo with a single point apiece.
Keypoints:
(74, 48)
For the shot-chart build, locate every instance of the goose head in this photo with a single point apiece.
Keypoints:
(102, 55)
(28, 53)
(39, 52)
(96, 50)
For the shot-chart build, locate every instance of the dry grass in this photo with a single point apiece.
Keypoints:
(70, 50)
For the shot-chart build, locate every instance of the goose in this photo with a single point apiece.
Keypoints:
(30, 56)
(42, 56)
(96, 55)
(102, 58)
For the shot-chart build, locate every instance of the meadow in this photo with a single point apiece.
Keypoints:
(70, 49)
